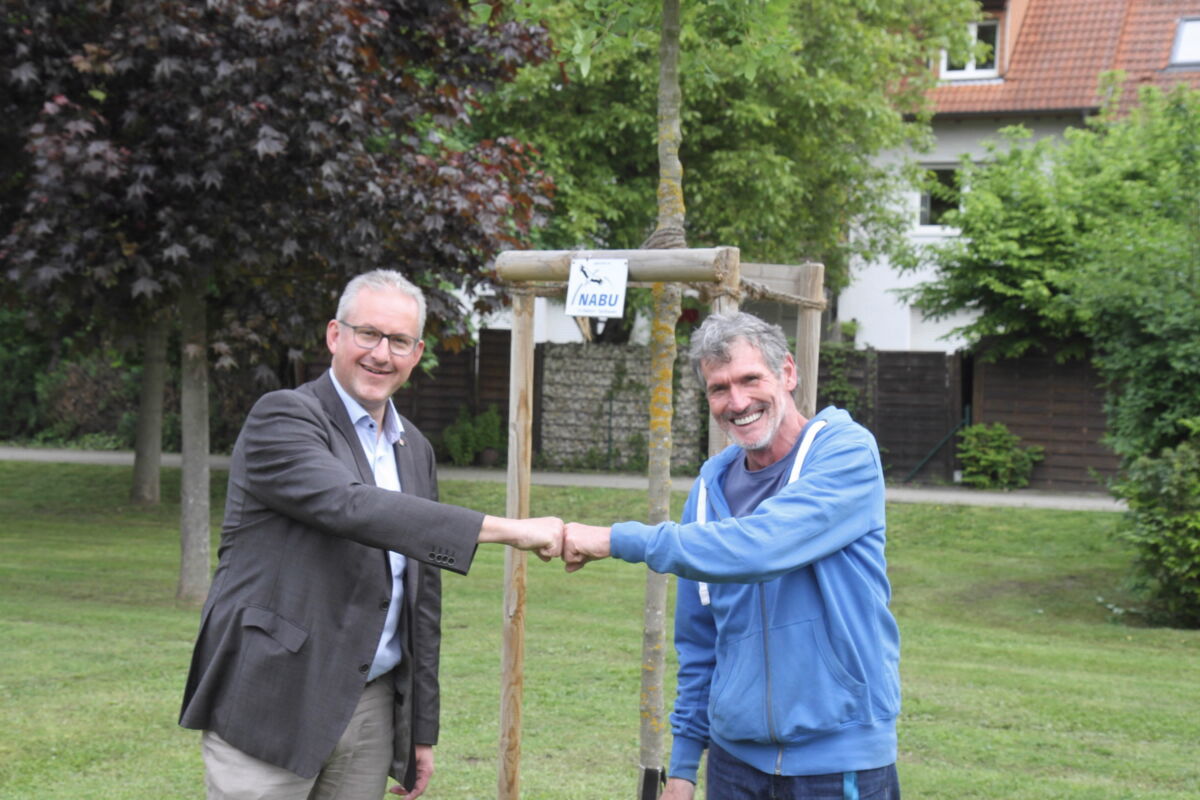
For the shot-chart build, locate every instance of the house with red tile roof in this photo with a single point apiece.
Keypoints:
(1044, 71)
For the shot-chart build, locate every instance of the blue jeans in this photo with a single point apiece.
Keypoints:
(730, 779)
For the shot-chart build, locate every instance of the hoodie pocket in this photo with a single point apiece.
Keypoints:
(789, 690)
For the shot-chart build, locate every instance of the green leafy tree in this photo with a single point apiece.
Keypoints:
(1089, 246)
(232, 163)
(1018, 245)
(1092, 246)
(788, 103)
(1136, 285)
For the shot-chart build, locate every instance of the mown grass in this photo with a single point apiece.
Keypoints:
(1018, 683)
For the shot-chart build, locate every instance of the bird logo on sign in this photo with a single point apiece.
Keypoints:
(593, 277)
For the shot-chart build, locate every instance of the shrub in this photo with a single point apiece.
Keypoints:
(992, 457)
(835, 386)
(1163, 524)
(24, 355)
(468, 436)
(83, 397)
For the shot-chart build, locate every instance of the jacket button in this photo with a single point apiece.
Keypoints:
(383, 606)
(364, 669)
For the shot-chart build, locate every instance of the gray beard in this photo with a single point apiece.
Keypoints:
(765, 441)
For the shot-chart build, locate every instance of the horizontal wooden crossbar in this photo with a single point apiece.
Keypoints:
(690, 265)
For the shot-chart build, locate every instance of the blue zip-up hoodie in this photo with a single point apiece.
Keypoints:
(788, 654)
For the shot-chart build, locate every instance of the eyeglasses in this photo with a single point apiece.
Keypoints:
(368, 338)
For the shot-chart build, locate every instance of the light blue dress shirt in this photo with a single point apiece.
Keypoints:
(380, 453)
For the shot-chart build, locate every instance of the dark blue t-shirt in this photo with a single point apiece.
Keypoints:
(745, 488)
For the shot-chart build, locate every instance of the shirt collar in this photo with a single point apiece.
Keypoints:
(393, 429)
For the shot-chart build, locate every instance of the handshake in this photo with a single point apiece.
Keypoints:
(549, 537)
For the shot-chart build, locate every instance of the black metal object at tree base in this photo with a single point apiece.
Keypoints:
(653, 781)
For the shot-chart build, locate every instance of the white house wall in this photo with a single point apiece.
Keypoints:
(550, 324)
(884, 321)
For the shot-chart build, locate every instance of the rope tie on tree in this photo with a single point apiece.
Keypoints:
(666, 237)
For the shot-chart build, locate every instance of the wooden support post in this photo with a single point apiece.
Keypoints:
(808, 337)
(520, 463)
(725, 301)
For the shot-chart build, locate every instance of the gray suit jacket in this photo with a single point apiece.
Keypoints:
(302, 587)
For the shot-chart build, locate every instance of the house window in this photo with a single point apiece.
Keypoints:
(976, 66)
(1186, 51)
(939, 195)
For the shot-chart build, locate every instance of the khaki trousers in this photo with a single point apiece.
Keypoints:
(357, 769)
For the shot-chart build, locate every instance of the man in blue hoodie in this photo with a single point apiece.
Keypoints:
(788, 654)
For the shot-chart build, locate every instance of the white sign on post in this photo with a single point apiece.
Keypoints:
(596, 287)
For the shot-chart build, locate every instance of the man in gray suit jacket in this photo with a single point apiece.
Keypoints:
(315, 672)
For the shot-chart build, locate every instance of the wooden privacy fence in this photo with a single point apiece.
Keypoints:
(1058, 406)
(911, 401)
(914, 401)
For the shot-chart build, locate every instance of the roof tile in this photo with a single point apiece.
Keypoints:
(1064, 46)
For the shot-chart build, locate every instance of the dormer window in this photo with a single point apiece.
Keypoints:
(985, 33)
(1186, 52)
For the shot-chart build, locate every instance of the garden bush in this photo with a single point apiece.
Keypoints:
(469, 435)
(24, 356)
(83, 399)
(1163, 524)
(992, 457)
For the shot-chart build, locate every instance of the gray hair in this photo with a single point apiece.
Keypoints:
(710, 342)
(382, 280)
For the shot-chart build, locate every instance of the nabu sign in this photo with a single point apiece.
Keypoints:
(596, 287)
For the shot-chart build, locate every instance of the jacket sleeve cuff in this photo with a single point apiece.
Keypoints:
(685, 758)
(627, 541)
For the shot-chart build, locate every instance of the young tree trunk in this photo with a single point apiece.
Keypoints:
(147, 451)
(195, 566)
(653, 714)
(671, 212)
(669, 233)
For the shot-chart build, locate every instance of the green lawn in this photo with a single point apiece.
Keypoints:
(1018, 682)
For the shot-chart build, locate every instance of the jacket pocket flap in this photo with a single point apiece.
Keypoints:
(288, 634)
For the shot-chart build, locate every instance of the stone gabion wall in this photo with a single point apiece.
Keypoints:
(596, 409)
